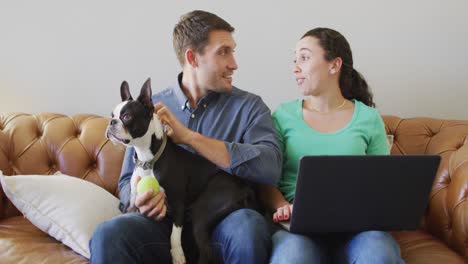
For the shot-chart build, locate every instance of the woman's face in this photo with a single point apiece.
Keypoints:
(310, 67)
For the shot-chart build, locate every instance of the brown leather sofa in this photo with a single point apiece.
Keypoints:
(75, 145)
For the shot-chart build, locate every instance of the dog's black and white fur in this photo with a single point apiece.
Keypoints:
(189, 180)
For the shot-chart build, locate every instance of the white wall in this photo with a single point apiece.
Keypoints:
(71, 56)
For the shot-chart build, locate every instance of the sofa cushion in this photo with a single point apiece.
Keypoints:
(67, 208)
(22, 242)
(420, 247)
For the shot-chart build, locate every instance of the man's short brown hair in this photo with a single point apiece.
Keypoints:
(193, 29)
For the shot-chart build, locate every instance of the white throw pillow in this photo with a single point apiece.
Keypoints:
(390, 141)
(67, 208)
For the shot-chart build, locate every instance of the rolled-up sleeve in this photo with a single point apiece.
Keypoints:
(258, 157)
(125, 176)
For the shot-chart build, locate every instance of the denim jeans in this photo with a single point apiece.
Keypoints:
(365, 247)
(242, 237)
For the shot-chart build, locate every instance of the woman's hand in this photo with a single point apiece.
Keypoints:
(151, 205)
(283, 213)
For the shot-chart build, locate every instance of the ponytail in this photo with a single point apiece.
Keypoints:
(354, 86)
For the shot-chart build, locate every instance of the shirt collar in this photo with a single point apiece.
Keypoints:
(182, 100)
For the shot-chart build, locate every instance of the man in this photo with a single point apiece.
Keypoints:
(230, 127)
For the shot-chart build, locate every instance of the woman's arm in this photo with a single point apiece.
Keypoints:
(274, 201)
(378, 143)
(271, 197)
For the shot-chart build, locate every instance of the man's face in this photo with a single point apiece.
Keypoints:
(216, 64)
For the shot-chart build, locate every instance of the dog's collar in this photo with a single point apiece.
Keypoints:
(148, 165)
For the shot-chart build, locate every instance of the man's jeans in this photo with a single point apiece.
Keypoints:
(365, 247)
(242, 237)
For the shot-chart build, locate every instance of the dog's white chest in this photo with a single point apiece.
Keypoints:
(142, 172)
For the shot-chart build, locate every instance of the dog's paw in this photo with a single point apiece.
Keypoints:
(178, 256)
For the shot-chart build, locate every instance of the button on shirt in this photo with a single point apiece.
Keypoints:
(239, 118)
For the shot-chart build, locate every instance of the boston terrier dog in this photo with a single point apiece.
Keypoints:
(195, 188)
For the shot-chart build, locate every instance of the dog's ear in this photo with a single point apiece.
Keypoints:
(125, 92)
(145, 94)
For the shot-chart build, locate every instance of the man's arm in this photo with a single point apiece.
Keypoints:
(257, 159)
(124, 180)
(212, 149)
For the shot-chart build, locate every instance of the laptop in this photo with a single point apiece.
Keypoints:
(359, 193)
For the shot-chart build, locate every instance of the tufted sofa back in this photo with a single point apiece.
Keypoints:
(447, 214)
(76, 145)
(47, 143)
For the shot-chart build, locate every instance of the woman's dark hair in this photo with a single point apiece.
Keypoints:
(352, 83)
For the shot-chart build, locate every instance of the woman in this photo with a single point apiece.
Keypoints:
(336, 118)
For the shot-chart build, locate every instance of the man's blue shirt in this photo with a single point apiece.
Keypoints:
(239, 118)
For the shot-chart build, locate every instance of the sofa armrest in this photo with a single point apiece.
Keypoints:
(45, 143)
(447, 214)
(2, 201)
(4, 162)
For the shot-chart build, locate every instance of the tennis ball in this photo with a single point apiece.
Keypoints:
(148, 183)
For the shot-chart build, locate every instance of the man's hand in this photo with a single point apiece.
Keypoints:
(174, 128)
(283, 213)
(149, 205)
(212, 149)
